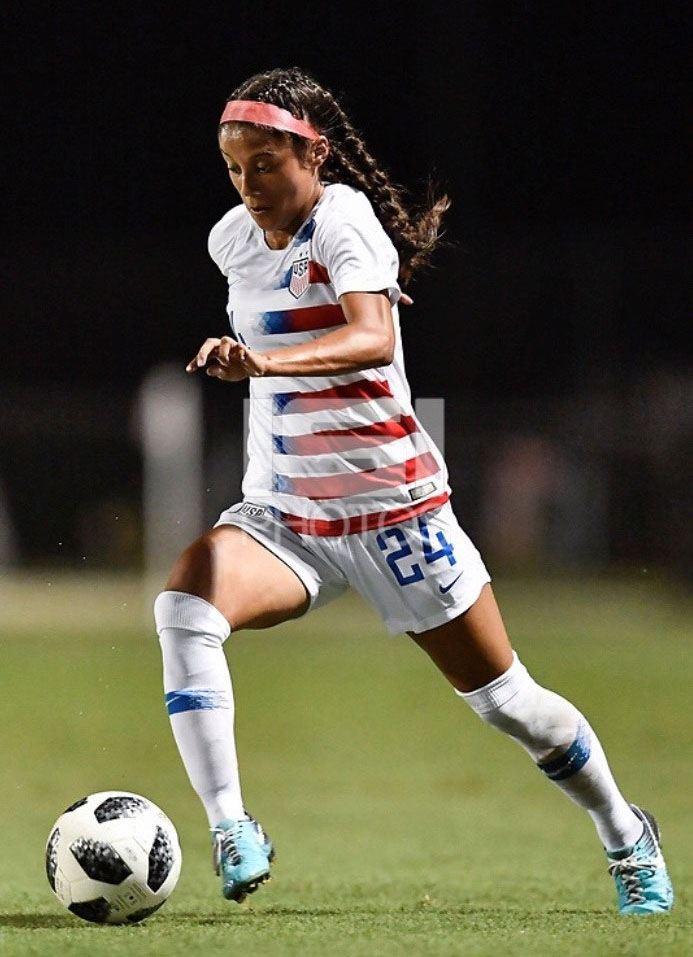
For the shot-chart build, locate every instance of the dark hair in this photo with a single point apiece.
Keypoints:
(414, 232)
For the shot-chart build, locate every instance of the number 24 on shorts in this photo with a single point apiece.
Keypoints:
(396, 536)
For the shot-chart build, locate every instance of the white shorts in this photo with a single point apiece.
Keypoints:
(418, 574)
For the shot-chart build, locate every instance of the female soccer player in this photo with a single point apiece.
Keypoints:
(344, 487)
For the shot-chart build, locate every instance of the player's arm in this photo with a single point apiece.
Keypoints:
(365, 341)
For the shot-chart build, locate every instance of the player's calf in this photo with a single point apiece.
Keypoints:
(568, 752)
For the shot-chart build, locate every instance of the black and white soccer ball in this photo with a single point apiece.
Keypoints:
(113, 858)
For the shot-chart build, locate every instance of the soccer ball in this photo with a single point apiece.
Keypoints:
(113, 857)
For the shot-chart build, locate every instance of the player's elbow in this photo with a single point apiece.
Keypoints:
(384, 348)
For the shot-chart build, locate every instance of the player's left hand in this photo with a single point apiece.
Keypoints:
(228, 360)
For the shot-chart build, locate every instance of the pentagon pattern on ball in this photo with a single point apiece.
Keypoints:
(73, 807)
(96, 911)
(52, 857)
(145, 912)
(160, 860)
(99, 861)
(124, 805)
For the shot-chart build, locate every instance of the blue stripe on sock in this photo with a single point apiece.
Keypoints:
(195, 699)
(573, 759)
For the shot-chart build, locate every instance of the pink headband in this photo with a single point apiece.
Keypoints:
(265, 114)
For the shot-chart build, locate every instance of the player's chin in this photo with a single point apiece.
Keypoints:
(273, 219)
(264, 216)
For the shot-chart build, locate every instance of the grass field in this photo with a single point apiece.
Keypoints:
(403, 825)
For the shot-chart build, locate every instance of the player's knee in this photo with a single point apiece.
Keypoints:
(515, 704)
(194, 570)
(179, 615)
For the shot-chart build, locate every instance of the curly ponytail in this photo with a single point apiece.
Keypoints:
(414, 232)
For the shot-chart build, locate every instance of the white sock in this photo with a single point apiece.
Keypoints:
(564, 746)
(199, 698)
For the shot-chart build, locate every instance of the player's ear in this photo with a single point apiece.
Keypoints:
(319, 151)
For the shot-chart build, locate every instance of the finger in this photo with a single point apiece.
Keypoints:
(237, 352)
(206, 352)
(207, 347)
(406, 300)
(227, 347)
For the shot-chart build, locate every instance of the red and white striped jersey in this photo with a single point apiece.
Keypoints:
(331, 455)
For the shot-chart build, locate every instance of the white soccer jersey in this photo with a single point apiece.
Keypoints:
(330, 455)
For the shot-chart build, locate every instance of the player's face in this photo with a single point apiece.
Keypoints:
(278, 187)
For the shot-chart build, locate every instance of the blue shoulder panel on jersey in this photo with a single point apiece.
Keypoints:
(306, 233)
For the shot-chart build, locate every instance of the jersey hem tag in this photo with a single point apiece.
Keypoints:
(420, 490)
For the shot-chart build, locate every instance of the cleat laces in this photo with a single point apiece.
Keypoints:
(224, 847)
(632, 871)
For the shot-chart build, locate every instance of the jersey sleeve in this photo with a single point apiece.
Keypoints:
(356, 251)
(223, 237)
(214, 246)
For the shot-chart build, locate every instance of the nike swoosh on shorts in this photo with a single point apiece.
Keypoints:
(447, 588)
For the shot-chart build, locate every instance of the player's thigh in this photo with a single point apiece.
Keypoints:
(249, 585)
(473, 648)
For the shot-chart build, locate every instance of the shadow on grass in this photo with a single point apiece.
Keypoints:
(38, 921)
(354, 915)
(365, 914)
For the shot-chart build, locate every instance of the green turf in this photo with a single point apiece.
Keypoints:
(403, 825)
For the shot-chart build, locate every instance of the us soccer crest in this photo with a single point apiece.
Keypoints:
(300, 276)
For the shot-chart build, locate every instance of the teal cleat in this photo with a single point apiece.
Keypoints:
(242, 855)
(640, 873)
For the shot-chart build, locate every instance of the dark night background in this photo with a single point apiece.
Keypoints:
(558, 130)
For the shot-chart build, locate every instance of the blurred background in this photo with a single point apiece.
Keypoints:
(554, 323)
